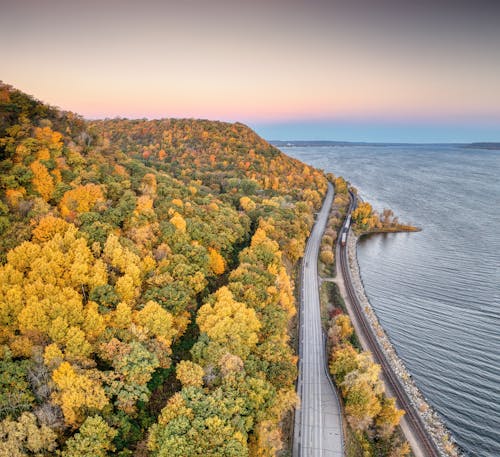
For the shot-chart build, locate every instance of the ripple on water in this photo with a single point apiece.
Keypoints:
(436, 292)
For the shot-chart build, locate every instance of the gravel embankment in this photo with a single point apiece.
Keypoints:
(431, 420)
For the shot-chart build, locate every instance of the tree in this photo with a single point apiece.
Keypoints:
(389, 417)
(266, 441)
(52, 356)
(133, 365)
(94, 439)
(126, 289)
(178, 222)
(80, 200)
(42, 180)
(364, 217)
(149, 185)
(122, 316)
(76, 392)
(247, 203)
(43, 289)
(326, 256)
(189, 373)
(229, 323)
(401, 450)
(362, 389)
(387, 218)
(96, 305)
(340, 330)
(48, 226)
(25, 437)
(15, 392)
(197, 424)
(344, 360)
(216, 261)
(156, 322)
(361, 404)
(340, 185)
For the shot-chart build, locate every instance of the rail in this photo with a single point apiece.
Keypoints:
(413, 418)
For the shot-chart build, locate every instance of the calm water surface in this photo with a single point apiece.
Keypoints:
(437, 292)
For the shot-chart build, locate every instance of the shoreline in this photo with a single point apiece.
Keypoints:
(430, 418)
(400, 229)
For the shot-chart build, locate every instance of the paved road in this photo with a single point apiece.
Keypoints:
(318, 424)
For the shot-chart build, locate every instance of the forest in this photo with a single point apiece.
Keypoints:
(146, 284)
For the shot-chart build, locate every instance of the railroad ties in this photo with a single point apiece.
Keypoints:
(413, 418)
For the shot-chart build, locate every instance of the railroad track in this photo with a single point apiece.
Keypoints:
(403, 401)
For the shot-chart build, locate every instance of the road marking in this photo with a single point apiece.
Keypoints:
(319, 415)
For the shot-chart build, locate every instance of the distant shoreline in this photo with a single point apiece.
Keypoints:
(320, 143)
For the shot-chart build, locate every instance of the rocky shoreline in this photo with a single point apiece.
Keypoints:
(433, 423)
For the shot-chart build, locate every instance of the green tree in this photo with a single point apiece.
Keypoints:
(15, 391)
(196, 424)
(94, 439)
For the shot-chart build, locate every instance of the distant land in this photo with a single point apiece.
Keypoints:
(484, 146)
(303, 143)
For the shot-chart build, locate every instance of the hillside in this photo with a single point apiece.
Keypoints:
(146, 289)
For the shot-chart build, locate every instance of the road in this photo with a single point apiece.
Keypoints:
(318, 421)
(411, 424)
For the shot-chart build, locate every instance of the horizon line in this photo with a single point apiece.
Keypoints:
(395, 143)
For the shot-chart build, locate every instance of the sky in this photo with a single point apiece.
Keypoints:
(359, 70)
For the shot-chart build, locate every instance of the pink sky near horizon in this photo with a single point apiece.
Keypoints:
(272, 60)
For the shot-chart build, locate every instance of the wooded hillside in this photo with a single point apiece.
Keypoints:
(146, 295)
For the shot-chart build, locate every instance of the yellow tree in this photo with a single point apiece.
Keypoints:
(327, 256)
(42, 292)
(364, 217)
(23, 437)
(122, 317)
(229, 323)
(340, 185)
(247, 204)
(156, 322)
(266, 440)
(14, 196)
(388, 418)
(344, 359)
(48, 226)
(341, 329)
(76, 391)
(189, 373)
(50, 139)
(144, 205)
(362, 390)
(121, 258)
(42, 180)
(216, 261)
(178, 222)
(287, 300)
(361, 405)
(80, 200)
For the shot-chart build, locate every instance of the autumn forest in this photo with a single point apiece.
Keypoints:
(146, 284)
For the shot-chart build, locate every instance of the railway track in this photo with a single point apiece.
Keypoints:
(412, 417)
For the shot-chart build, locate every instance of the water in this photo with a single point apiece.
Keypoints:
(436, 292)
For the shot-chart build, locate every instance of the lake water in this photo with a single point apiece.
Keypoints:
(436, 292)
